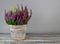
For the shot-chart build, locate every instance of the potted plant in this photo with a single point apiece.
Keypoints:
(17, 19)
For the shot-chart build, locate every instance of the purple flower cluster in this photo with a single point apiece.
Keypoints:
(21, 16)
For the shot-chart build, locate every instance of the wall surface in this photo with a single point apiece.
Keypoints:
(45, 18)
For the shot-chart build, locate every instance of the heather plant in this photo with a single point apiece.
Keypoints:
(18, 16)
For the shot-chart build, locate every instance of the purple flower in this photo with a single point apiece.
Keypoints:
(6, 16)
(21, 16)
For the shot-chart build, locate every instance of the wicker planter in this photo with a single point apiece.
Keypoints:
(18, 31)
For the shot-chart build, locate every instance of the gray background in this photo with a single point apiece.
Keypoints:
(45, 18)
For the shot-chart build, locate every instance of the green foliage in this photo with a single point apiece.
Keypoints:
(12, 22)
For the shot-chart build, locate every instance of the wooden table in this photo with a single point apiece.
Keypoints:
(32, 38)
